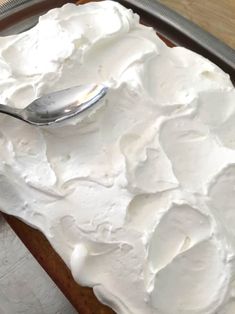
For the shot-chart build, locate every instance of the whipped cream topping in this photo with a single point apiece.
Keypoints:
(137, 195)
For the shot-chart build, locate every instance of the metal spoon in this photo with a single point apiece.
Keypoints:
(58, 106)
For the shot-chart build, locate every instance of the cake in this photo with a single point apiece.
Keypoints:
(137, 195)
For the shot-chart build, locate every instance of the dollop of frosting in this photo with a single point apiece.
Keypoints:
(138, 194)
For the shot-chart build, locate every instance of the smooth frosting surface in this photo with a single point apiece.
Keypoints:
(138, 194)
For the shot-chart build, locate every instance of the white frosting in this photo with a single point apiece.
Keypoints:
(138, 194)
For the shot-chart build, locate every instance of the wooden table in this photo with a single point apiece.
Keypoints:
(216, 16)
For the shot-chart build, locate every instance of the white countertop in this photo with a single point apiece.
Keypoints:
(25, 288)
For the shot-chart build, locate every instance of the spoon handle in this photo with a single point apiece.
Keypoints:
(14, 112)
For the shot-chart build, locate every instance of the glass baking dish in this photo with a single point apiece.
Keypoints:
(17, 16)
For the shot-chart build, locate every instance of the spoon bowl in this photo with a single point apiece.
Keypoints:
(58, 106)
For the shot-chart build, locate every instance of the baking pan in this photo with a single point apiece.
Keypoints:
(18, 16)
